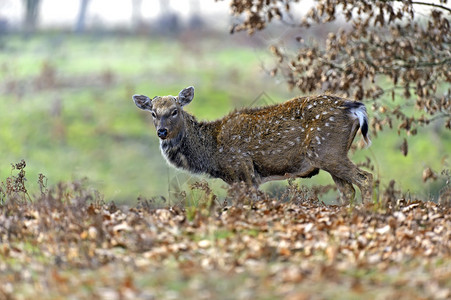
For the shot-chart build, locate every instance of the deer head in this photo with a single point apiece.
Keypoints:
(167, 111)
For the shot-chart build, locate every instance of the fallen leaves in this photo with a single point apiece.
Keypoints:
(429, 174)
(291, 250)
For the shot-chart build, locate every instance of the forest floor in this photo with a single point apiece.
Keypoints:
(66, 242)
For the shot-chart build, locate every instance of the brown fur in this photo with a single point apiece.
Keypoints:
(292, 139)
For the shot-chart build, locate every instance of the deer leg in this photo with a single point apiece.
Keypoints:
(364, 181)
(247, 174)
(346, 171)
(345, 189)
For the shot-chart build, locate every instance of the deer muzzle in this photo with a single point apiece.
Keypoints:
(162, 133)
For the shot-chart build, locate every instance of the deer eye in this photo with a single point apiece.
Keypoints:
(174, 113)
(153, 115)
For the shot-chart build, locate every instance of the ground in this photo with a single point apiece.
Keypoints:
(68, 243)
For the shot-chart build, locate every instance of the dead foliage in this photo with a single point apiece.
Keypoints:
(67, 241)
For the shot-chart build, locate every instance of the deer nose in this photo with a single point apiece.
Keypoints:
(162, 133)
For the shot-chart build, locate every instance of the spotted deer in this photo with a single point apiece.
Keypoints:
(296, 138)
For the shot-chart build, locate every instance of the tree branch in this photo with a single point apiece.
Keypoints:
(425, 64)
(432, 4)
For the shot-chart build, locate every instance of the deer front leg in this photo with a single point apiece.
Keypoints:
(247, 173)
(241, 170)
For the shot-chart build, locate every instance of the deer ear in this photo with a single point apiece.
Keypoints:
(186, 95)
(143, 102)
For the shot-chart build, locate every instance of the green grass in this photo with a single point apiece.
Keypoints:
(84, 124)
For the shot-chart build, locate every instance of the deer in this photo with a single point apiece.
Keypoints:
(293, 139)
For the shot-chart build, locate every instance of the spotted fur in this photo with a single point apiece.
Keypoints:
(296, 138)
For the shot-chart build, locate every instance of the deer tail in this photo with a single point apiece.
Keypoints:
(358, 111)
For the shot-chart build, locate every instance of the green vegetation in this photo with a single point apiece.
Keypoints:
(66, 108)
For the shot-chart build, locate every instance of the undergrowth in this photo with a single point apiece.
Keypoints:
(199, 198)
(66, 240)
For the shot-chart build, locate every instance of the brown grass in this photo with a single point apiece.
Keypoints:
(67, 241)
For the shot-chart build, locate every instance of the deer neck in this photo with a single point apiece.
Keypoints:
(192, 148)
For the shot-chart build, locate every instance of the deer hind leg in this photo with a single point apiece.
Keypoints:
(345, 189)
(349, 174)
(364, 181)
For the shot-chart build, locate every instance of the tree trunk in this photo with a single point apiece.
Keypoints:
(31, 15)
(136, 14)
(80, 25)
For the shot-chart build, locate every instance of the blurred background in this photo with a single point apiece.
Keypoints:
(69, 68)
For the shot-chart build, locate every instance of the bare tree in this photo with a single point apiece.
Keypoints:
(195, 20)
(168, 20)
(81, 20)
(394, 54)
(136, 13)
(31, 14)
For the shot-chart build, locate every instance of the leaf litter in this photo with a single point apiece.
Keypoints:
(68, 242)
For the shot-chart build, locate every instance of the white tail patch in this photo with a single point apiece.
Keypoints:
(361, 114)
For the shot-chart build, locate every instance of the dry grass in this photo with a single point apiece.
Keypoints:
(67, 242)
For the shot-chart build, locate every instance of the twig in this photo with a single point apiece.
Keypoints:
(432, 4)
